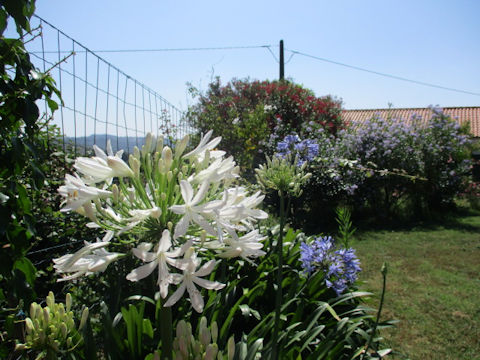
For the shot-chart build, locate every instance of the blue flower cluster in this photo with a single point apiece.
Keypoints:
(340, 266)
(304, 150)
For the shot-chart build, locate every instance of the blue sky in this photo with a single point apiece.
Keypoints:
(433, 41)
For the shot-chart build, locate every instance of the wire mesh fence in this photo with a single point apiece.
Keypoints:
(100, 101)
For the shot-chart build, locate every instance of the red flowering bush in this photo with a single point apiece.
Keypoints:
(252, 116)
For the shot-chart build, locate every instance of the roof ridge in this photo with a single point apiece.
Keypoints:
(416, 108)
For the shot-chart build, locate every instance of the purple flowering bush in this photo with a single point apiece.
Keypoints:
(340, 266)
(384, 167)
(445, 149)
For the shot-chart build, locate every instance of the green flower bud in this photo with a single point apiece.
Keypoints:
(50, 299)
(214, 331)
(29, 325)
(204, 333)
(115, 193)
(159, 144)
(231, 348)
(148, 144)
(46, 315)
(180, 146)
(84, 318)
(167, 157)
(211, 353)
(136, 153)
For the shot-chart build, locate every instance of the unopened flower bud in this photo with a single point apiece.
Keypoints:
(205, 336)
(68, 302)
(33, 309)
(161, 166)
(136, 153)
(135, 164)
(148, 144)
(231, 348)
(29, 325)
(214, 331)
(170, 226)
(159, 143)
(46, 315)
(180, 146)
(211, 353)
(169, 176)
(50, 299)
(167, 157)
(163, 196)
(115, 192)
(131, 195)
(63, 330)
(84, 318)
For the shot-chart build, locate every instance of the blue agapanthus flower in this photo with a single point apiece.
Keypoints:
(304, 150)
(340, 266)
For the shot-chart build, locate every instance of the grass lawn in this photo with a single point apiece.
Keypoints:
(433, 286)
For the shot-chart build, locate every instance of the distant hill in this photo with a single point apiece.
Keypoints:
(122, 142)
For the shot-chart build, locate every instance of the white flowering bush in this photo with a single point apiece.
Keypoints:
(179, 213)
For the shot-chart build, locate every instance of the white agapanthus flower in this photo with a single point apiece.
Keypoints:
(76, 193)
(191, 210)
(167, 202)
(192, 276)
(90, 259)
(161, 258)
(247, 246)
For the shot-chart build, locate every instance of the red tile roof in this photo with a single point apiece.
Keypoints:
(461, 114)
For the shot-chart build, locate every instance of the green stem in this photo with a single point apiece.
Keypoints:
(279, 295)
(166, 332)
(374, 330)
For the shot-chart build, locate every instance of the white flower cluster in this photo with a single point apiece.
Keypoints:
(173, 207)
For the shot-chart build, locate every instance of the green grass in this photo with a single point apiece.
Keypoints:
(433, 286)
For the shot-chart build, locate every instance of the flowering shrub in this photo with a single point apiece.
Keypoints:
(339, 266)
(252, 116)
(389, 165)
(446, 159)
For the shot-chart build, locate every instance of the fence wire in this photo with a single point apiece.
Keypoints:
(100, 101)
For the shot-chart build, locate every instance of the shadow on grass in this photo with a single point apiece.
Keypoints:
(461, 218)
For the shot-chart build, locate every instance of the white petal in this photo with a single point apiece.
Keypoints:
(142, 271)
(203, 224)
(187, 191)
(206, 268)
(176, 295)
(99, 152)
(207, 284)
(144, 255)
(165, 242)
(201, 193)
(195, 297)
(178, 209)
(182, 227)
